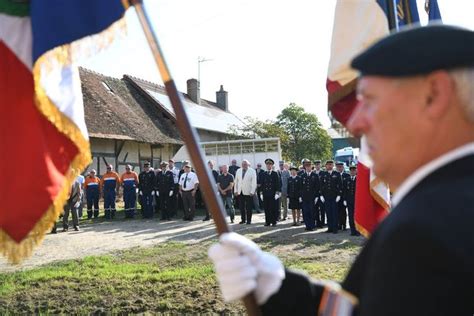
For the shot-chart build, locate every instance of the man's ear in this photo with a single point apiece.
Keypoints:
(439, 92)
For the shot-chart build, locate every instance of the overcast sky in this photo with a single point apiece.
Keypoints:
(266, 53)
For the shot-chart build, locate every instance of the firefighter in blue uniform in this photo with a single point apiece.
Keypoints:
(310, 191)
(331, 191)
(129, 181)
(349, 188)
(92, 189)
(146, 187)
(110, 184)
(271, 186)
(164, 190)
(341, 206)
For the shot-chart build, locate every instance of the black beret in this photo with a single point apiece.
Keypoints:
(418, 50)
(294, 168)
(352, 167)
(269, 160)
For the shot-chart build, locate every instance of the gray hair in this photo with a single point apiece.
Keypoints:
(463, 79)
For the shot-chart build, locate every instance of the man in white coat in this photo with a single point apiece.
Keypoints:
(245, 187)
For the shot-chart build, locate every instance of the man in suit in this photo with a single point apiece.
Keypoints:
(412, 105)
(72, 205)
(245, 186)
(284, 174)
(271, 191)
(215, 176)
(348, 192)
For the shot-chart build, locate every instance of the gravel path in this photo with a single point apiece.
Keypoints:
(104, 237)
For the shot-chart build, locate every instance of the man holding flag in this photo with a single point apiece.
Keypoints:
(410, 104)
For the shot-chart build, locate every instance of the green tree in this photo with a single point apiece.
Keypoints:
(306, 138)
(301, 134)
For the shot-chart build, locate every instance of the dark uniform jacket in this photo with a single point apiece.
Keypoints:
(310, 186)
(233, 170)
(331, 184)
(164, 181)
(413, 264)
(294, 187)
(215, 175)
(146, 181)
(270, 182)
(259, 175)
(348, 189)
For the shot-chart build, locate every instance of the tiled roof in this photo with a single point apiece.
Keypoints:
(205, 116)
(116, 109)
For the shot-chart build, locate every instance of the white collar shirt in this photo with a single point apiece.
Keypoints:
(191, 180)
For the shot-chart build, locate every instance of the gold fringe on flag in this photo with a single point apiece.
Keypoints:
(62, 56)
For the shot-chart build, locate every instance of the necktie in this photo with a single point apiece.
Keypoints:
(352, 178)
(185, 180)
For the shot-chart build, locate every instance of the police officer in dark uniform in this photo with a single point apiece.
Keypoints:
(341, 206)
(331, 191)
(319, 207)
(348, 192)
(164, 187)
(310, 191)
(271, 186)
(294, 195)
(146, 187)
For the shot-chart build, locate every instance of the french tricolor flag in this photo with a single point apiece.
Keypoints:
(357, 24)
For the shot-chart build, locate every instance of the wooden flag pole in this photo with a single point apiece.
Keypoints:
(191, 139)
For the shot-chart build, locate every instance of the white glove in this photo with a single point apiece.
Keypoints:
(140, 192)
(136, 190)
(316, 200)
(78, 203)
(322, 198)
(300, 199)
(242, 267)
(277, 196)
(171, 193)
(338, 198)
(345, 203)
(157, 193)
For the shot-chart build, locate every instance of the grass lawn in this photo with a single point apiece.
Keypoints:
(174, 277)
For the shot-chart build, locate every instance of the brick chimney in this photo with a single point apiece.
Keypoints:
(193, 90)
(222, 100)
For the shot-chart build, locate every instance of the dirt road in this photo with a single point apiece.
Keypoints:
(105, 237)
